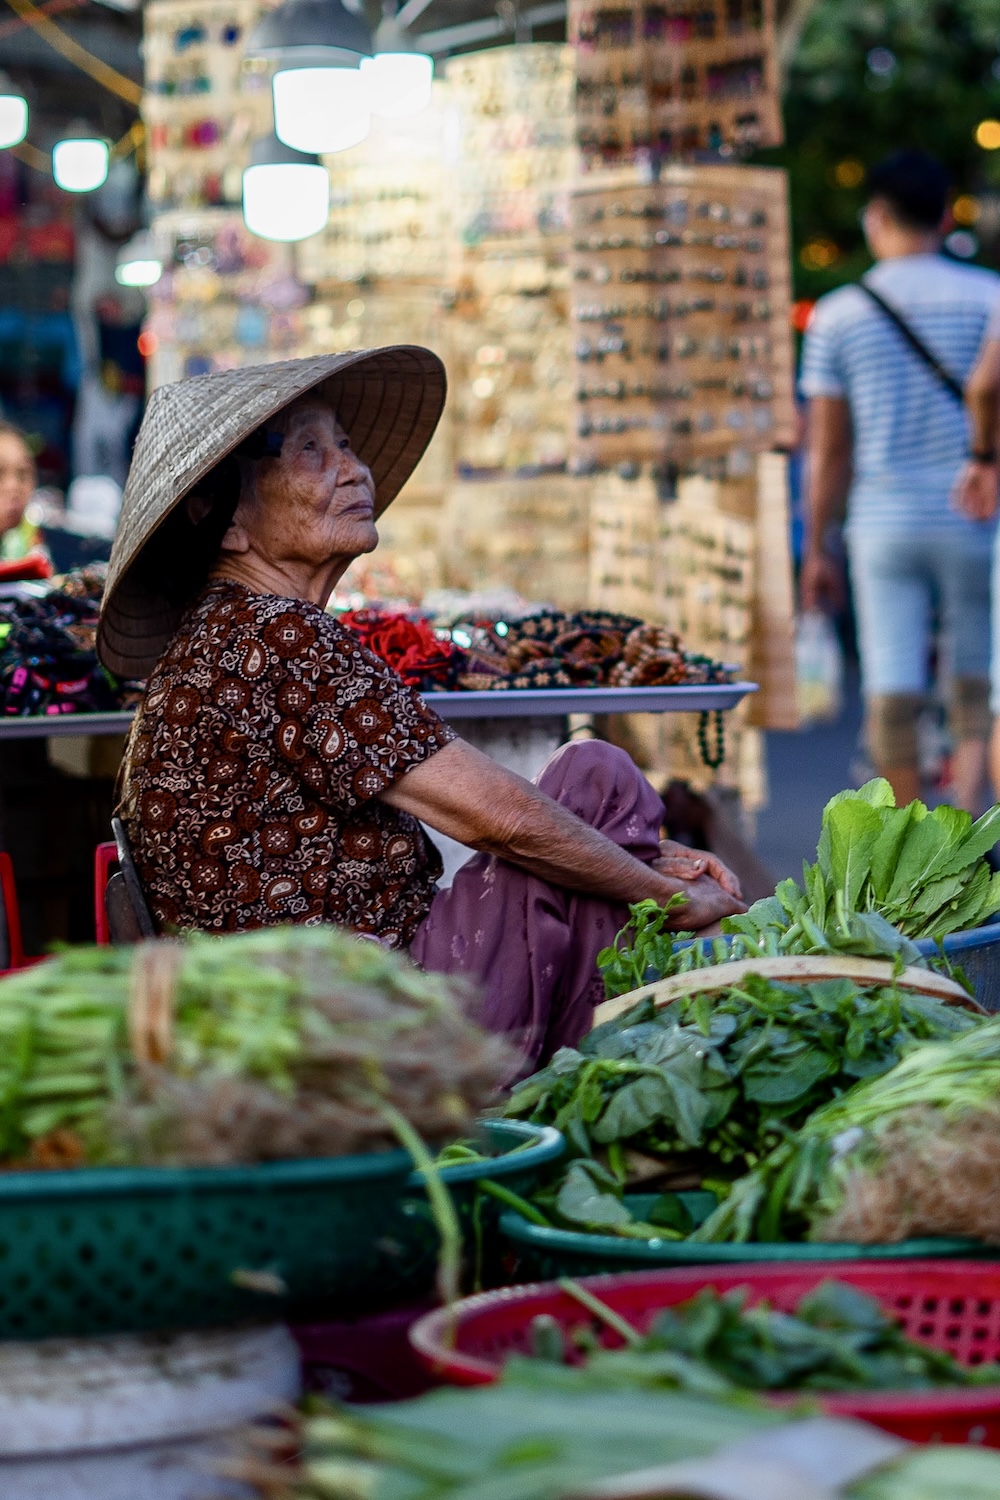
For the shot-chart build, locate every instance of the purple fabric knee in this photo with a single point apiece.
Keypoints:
(530, 946)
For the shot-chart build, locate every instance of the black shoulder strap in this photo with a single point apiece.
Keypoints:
(916, 343)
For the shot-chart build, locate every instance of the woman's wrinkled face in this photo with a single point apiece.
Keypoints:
(314, 503)
(17, 479)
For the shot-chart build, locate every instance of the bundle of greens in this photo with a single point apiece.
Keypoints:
(838, 1339)
(908, 1154)
(298, 1041)
(705, 1087)
(884, 877)
(544, 1433)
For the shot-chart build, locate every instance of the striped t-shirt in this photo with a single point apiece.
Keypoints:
(910, 434)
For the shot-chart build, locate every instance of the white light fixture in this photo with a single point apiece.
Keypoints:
(13, 114)
(399, 83)
(139, 262)
(321, 109)
(397, 78)
(80, 160)
(286, 194)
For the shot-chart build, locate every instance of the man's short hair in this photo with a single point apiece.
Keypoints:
(914, 185)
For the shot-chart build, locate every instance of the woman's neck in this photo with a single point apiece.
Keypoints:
(289, 580)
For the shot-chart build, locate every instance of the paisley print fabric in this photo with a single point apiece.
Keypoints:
(251, 781)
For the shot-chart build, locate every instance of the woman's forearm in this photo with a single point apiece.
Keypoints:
(462, 793)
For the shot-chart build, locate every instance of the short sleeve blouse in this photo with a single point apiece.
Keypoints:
(253, 773)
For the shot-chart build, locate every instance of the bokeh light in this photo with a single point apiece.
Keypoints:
(849, 173)
(819, 255)
(965, 209)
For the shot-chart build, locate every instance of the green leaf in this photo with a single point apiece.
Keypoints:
(591, 1196)
(768, 912)
(790, 898)
(670, 1212)
(633, 1108)
(937, 894)
(654, 1097)
(780, 1080)
(896, 822)
(819, 896)
(854, 830)
(978, 841)
(876, 793)
(834, 1304)
(924, 849)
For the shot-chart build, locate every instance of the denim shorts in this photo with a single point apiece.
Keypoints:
(899, 579)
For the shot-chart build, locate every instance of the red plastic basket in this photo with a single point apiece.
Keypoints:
(950, 1305)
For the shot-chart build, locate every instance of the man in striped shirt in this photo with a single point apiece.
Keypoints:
(889, 433)
(977, 495)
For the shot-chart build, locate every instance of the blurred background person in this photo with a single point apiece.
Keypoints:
(18, 536)
(977, 496)
(884, 365)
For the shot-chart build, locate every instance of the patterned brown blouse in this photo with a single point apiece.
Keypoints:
(250, 793)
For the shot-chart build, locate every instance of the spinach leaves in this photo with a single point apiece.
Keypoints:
(941, 1093)
(705, 1087)
(838, 1339)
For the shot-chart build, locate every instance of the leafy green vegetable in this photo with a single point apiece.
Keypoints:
(285, 1042)
(710, 1085)
(931, 1473)
(934, 1087)
(838, 1339)
(883, 877)
(541, 1433)
(546, 1431)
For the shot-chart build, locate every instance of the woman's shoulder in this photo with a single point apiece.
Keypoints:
(229, 606)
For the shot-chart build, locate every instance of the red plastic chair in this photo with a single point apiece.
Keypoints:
(105, 864)
(16, 956)
(121, 912)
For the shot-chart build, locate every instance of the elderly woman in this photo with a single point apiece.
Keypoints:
(279, 772)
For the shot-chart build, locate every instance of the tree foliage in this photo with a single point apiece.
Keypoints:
(940, 76)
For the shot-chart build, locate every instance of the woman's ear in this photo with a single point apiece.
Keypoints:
(237, 538)
(197, 507)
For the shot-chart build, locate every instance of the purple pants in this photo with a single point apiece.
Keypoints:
(532, 947)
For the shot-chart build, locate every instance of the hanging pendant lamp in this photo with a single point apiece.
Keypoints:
(13, 114)
(311, 34)
(320, 102)
(139, 261)
(80, 160)
(398, 78)
(286, 193)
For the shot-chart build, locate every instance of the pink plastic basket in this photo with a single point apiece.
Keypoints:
(950, 1305)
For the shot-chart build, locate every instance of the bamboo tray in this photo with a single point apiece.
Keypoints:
(791, 969)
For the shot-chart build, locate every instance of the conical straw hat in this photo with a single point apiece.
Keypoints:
(388, 401)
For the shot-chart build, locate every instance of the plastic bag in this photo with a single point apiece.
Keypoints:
(819, 669)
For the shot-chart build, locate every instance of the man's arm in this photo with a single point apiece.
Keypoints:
(463, 793)
(975, 493)
(828, 470)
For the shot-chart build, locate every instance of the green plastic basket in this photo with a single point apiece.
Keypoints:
(113, 1249)
(409, 1250)
(546, 1254)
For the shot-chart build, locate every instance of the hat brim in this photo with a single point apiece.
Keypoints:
(388, 401)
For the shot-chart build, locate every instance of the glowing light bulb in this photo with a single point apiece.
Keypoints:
(80, 165)
(286, 200)
(13, 119)
(398, 83)
(320, 109)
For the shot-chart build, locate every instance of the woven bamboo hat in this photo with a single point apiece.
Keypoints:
(388, 401)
